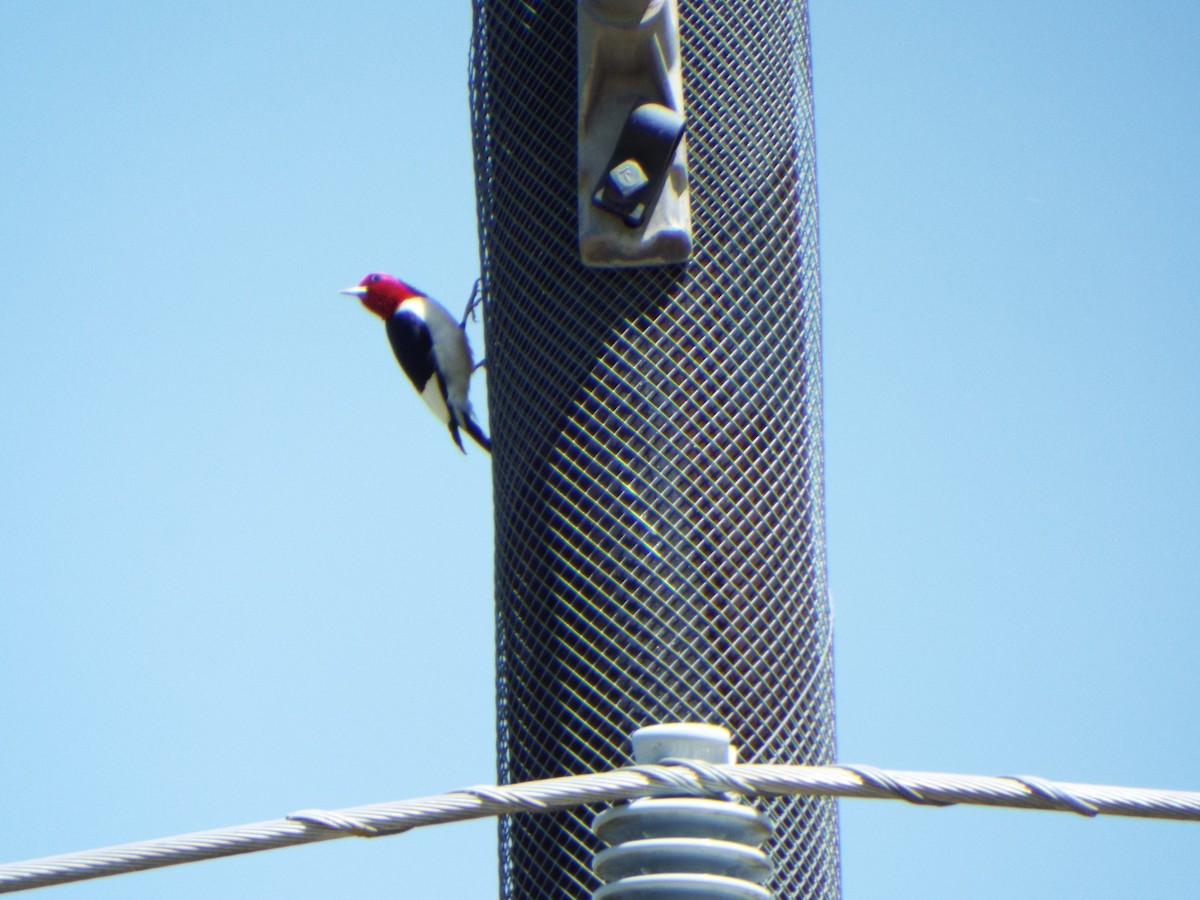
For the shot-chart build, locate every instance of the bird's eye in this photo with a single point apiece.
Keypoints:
(374, 278)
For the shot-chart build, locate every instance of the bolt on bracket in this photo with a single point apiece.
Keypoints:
(634, 208)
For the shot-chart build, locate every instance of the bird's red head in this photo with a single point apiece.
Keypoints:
(382, 294)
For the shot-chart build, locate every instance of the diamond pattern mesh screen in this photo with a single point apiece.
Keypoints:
(658, 453)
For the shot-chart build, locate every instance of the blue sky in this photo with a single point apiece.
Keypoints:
(232, 585)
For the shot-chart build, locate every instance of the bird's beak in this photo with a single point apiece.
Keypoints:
(357, 291)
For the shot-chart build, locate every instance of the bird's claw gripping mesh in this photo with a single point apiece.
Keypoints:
(658, 468)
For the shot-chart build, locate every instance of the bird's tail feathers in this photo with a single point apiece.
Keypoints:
(475, 433)
(454, 434)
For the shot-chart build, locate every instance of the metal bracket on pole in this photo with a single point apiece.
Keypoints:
(632, 156)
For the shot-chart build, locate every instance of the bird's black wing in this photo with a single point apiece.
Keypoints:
(413, 347)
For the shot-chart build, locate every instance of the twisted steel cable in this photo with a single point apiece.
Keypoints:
(681, 777)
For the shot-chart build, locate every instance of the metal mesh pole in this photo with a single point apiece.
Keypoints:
(658, 454)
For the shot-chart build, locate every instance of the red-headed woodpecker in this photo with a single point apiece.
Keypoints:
(431, 348)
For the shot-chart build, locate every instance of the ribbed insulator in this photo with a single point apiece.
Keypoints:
(684, 848)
